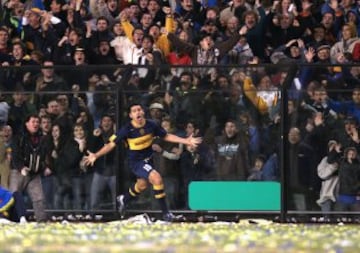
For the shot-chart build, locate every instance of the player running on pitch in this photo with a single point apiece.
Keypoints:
(138, 135)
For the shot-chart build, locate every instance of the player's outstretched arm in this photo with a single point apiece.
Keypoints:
(191, 141)
(91, 157)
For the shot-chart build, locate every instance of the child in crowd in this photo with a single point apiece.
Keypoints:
(256, 170)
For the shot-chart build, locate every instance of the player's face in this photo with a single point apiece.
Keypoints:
(137, 113)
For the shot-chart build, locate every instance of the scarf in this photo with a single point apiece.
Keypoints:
(207, 57)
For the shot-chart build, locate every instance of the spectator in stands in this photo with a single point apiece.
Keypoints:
(4, 40)
(349, 175)
(102, 32)
(177, 57)
(142, 5)
(348, 108)
(14, 78)
(81, 175)
(52, 109)
(5, 155)
(283, 28)
(19, 109)
(47, 81)
(79, 75)
(45, 125)
(136, 8)
(41, 30)
(150, 57)
(184, 103)
(237, 102)
(154, 9)
(207, 52)
(231, 154)
(240, 54)
(37, 57)
(65, 49)
(27, 148)
(104, 55)
(271, 168)
(332, 25)
(65, 117)
(187, 11)
(4, 110)
(111, 11)
(146, 20)
(131, 49)
(216, 101)
(47, 176)
(264, 95)
(348, 134)
(85, 118)
(74, 19)
(301, 173)
(323, 54)
(328, 170)
(104, 179)
(255, 173)
(317, 37)
(117, 30)
(286, 7)
(352, 16)
(254, 27)
(58, 9)
(293, 51)
(116, 43)
(156, 111)
(160, 38)
(237, 8)
(196, 164)
(211, 28)
(341, 52)
(166, 158)
(13, 12)
(232, 27)
(63, 192)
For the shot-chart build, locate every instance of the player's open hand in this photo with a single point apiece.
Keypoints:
(90, 159)
(194, 141)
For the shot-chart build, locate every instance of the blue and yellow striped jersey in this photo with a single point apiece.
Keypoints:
(6, 200)
(139, 139)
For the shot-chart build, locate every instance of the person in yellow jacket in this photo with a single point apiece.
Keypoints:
(160, 39)
(265, 97)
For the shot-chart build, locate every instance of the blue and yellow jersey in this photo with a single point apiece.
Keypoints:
(6, 201)
(139, 138)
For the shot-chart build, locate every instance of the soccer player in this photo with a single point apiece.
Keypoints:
(138, 135)
(12, 206)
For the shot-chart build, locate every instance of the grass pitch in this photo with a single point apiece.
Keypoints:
(125, 236)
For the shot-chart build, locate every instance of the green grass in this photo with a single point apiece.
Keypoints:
(179, 237)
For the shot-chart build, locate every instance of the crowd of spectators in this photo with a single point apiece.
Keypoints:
(209, 68)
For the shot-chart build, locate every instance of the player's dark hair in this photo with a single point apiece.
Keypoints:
(133, 104)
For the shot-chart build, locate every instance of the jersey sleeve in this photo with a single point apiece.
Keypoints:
(119, 135)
